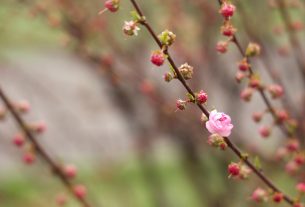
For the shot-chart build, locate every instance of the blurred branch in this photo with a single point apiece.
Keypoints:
(54, 167)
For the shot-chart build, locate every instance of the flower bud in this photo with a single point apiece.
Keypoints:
(167, 77)
(112, 5)
(181, 104)
(281, 153)
(257, 116)
(282, 115)
(276, 91)
(299, 159)
(245, 171)
(18, 140)
(291, 168)
(201, 97)
(265, 131)
(243, 65)
(130, 28)
(239, 77)
(254, 82)
(167, 38)
(228, 30)
(278, 197)
(22, 106)
(293, 145)
(186, 71)
(70, 171)
(259, 195)
(61, 200)
(39, 127)
(28, 158)
(80, 191)
(253, 49)
(234, 169)
(301, 187)
(227, 10)
(246, 94)
(222, 46)
(157, 58)
(215, 140)
(298, 205)
(204, 118)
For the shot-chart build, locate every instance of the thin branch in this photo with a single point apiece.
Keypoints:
(54, 167)
(206, 112)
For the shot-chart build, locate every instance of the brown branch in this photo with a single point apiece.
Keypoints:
(261, 91)
(54, 167)
(206, 112)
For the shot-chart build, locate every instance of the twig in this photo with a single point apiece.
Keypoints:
(205, 111)
(55, 168)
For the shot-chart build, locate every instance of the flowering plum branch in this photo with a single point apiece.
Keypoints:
(217, 123)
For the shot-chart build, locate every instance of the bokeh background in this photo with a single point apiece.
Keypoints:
(109, 112)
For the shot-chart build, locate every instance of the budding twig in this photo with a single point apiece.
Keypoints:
(204, 110)
(54, 167)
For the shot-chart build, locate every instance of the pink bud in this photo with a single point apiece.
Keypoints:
(70, 171)
(28, 158)
(298, 205)
(61, 200)
(234, 169)
(243, 65)
(239, 77)
(301, 187)
(181, 104)
(80, 191)
(265, 131)
(259, 195)
(291, 168)
(202, 97)
(39, 127)
(293, 145)
(278, 197)
(276, 91)
(246, 94)
(254, 82)
(112, 5)
(227, 10)
(18, 140)
(157, 58)
(222, 46)
(23, 106)
(257, 116)
(245, 171)
(282, 115)
(299, 159)
(281, 153)
(228, 30)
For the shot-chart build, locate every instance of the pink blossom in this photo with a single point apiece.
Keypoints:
(227, 10)
(234, 169)
(219, 123)
(80, 191)
(259, 195)
(301, 187)
(70, 171)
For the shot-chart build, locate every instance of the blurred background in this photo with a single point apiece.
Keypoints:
(109, 111)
